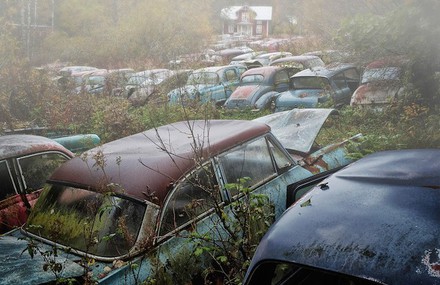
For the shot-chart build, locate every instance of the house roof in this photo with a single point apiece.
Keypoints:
(263, 13)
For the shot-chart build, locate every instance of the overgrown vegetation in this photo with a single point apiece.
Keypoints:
(29, 98)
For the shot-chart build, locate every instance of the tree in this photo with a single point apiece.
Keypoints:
(411, 31)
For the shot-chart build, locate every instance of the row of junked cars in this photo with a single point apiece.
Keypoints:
(282, 81)
(111, 214)
(255, 80)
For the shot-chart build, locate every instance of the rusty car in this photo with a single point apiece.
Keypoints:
(381, 83)
(373, 222)
(26, 161)
(319, 85)
(258, 85)
(116, 211)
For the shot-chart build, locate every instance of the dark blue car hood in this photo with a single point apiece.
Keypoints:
(376, 219)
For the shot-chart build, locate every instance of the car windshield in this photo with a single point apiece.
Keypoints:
(203, 78)
(99, 224)
(252, 79)
(378, 74)
(312, 82)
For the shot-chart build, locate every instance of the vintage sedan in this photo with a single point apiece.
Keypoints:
(26, 161)
(115, 212)
(142, 85)
(258, 85)
(374, 222)
(211, 84)
(318, 85)
(381, 83)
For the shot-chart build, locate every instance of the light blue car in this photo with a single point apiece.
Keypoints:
(115, 213)
(317, 85)
(211, 84)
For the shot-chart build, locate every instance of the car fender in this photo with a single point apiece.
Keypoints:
(266, 100)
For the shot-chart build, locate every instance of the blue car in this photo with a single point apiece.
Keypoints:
(211, 84)
(258, 86)
(317, 85)
(374, 222)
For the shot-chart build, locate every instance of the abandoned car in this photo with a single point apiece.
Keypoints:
(211, 84)
(373, 222)
(381, 83)
(133, 202)
(319, 85)
(258, 85)
(26, 161)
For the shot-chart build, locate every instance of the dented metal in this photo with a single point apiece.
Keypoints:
(376, 220)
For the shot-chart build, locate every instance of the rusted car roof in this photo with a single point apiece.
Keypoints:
(376, 219)
(327, 71)
(145, 164)
(18, 145)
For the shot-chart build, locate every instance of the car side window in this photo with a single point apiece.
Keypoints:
(353, 77)
(231, 75)
(192, 197)
(339, 80)
(7, 188)
(251, 162)
(36, 168)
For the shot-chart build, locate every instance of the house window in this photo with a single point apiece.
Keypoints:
(259, 29)
(230, 29)
(245, 16)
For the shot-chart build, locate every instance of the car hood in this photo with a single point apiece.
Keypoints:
(27, 270)
(372, 93)
(297, 129)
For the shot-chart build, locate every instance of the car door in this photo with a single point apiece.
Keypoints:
(231, 78)
(263, 167)
(22, 179)
(344, 84)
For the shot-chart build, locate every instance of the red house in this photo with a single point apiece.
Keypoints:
(247, 20)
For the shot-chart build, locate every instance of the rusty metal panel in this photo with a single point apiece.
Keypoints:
(297, 129)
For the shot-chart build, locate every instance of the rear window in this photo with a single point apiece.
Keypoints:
(378, 74)
(254, 78)
(310, 83)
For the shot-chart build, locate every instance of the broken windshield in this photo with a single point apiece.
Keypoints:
(99, 224)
